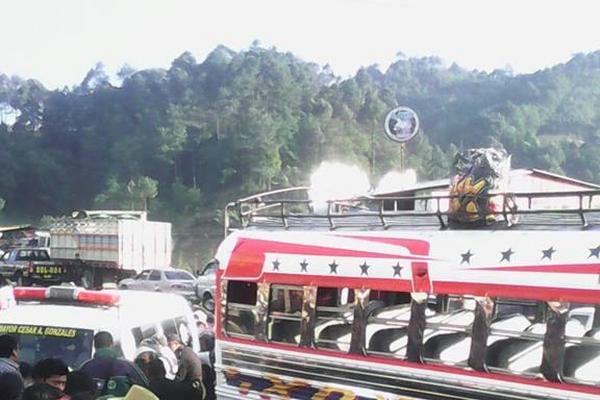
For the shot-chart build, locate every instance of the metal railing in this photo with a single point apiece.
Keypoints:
(278, 208)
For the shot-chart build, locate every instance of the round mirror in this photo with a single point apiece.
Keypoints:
(401, 124)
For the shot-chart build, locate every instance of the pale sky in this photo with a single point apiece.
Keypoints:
(58, 41)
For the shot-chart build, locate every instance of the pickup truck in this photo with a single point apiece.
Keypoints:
(30, 265)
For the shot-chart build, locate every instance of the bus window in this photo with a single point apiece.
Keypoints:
(169, 328)
(148, 331)
(334, 317)
(447, 335)
(137, 336)
(515, 342)
(530, 309)
(388, 315)
(241, 302)
(582, 345)
(241, 292)
(285, 314)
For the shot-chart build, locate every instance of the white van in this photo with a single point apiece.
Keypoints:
(60, 321)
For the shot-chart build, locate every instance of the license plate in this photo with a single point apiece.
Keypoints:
(48, 270)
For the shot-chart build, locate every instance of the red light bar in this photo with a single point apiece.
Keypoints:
(29, 293)
(100, 298)
(66, 294)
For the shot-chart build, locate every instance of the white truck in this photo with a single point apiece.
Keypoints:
(96, 247)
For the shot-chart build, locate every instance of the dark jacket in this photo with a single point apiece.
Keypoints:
(106, 364)
(11, 382)
(11, 386)
(166, 389)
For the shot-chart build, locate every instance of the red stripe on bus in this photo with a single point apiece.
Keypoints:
(415, 246)
(390, 284)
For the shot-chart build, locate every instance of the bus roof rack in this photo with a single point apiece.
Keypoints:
(291, 209)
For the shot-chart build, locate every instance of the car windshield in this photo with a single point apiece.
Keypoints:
(179, 276)
(210, 268)
(73, 346)
(32, 255)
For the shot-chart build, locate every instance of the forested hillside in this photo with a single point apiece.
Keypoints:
(186, 140)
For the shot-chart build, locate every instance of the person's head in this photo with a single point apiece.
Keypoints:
(207, 341)
(103, 340)
(80, 383)
(52, 371)
(42, 391)
(9, 347)
(156, 369)
(174, 342)
(145, 355)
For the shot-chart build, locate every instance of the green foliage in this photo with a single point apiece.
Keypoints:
(114, 197)
(184, 141)
(184, 202)
(141, 190)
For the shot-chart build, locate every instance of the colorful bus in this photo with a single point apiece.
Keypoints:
(363, 303)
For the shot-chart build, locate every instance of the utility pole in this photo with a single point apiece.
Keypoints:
(372, 158)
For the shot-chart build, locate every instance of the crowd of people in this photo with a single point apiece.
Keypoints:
(105, 376)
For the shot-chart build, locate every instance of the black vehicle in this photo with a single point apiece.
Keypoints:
(31, 265)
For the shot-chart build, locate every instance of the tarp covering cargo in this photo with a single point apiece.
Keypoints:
(476, 173)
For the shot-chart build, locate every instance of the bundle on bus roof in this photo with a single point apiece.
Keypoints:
(476, 174)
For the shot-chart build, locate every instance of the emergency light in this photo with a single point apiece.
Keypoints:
(66, 294)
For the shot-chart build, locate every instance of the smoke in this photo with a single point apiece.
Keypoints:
(394, 181)
(336, 181)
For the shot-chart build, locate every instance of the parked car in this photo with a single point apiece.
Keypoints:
(205, 285)
(168, 280)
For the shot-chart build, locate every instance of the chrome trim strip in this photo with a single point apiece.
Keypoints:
(384, 378)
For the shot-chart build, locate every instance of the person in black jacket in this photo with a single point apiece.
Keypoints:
(167, 389)
(190, 366)
(80, 385)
